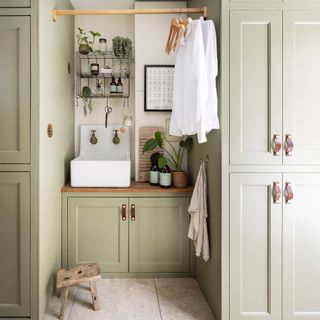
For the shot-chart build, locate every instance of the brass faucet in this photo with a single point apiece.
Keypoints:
(116, 139)
(93, 138)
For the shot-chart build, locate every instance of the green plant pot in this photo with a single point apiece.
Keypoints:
(84, 49)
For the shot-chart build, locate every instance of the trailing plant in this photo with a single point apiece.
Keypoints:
(86, 100)
(122, 47)
(82, 38)
(170, 155)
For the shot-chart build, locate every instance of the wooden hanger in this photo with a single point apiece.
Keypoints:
(178, 29)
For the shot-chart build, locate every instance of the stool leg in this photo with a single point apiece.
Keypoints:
(95, 300)
(64, 298)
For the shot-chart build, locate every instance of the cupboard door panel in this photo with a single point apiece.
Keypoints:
(158, 236)
(14, 3)
(15, 244)
(255, 86)
(15, 89)
(301, 85)
(301, 249)
(97, 233)
(255, 248)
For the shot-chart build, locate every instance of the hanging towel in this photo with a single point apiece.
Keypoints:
(198, 231)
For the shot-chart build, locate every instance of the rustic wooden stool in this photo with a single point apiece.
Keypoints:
(68, 277)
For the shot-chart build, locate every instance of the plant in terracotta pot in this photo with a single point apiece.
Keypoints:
(171, 156)
(86, 45)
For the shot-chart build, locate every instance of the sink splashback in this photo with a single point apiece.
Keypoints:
(104, 149)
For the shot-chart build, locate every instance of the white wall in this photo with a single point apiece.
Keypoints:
(151, 33)
(56, 107)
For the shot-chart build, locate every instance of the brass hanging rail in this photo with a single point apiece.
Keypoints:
(56, 13)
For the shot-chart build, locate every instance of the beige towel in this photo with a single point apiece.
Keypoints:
(198, 210)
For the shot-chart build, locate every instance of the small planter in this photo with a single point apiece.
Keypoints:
(84, 49)
(180, 179)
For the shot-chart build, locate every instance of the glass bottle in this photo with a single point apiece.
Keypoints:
(113, 86)
(98, 91)
(154, 175)
(165, 177)
(119, 86)
(103, 45)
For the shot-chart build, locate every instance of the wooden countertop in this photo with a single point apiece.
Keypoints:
(135, 187)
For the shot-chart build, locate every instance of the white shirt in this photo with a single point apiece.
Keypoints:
(190, 90)
(194, 109)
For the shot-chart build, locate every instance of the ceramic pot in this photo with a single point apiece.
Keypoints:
(84, 49)
(180, 179)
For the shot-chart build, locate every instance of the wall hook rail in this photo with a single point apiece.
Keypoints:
(57, 12)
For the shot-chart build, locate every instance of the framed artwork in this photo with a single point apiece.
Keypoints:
(158, 87)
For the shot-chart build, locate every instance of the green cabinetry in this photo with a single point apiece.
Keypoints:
(127, 234)
(15, 89)
(15, 244)
(15, 3)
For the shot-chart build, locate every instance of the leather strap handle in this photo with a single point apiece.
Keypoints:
(124, 212)
(133, 212)
(276, 192)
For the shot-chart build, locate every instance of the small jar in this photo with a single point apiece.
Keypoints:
(103, 45)
(94, 69)
(85, 69)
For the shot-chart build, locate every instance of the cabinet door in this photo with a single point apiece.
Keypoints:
(14, 3)
(255, 86)
(15, 89)
(301, 85)
(255, 247)
(97, 233)
(14, 244)
(158, 235)
(301, 249)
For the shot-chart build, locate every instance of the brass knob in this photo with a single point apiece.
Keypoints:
(93, 138)
(116, 139)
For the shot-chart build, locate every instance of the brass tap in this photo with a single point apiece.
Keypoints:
(116, 139)
(93, 138)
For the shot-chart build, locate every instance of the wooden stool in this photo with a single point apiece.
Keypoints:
(69, 277)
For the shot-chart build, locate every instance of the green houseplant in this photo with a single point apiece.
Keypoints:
(123, 53)
(171, 156)
(86, 94)
(86, 45)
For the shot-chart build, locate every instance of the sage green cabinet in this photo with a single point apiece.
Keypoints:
(255, 247)
(15, 244)
(128, 234)
(15, 3)
(255, 85)
(158, 235)
(301, 248)
(15, 89)
(96, 232)
(301, 78)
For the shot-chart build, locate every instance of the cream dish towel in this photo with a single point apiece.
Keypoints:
(198, 231)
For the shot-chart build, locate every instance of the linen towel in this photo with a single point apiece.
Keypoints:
(198, 231)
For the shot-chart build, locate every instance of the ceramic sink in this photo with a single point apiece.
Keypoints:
(103, 164)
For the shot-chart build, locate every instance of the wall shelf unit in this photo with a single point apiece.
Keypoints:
(119, 67)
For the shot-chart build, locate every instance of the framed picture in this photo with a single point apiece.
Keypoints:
(158, 87)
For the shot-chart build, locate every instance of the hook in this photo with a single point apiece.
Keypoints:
(206, 160)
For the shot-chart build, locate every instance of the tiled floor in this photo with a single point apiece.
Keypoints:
(136, 299)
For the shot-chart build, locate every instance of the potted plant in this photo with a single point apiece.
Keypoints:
(171, 157)
(86, 94)
(86, 45)
(122, 47)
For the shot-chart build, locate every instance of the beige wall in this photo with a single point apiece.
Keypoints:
(56, 107)
(209, 273)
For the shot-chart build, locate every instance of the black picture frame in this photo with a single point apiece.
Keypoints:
(167, 106)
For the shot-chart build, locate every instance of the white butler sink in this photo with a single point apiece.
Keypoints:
(103, 164)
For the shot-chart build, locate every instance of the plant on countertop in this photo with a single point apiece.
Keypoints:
(122, 47)
(86, 45)
(173, 157)
(86, 99)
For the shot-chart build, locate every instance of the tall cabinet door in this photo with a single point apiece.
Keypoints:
(158, 235)
(255, 247)
(15, 89)
(255, 86)
(98, 232)
(301, 98)
(15, 244)
(301, 248)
